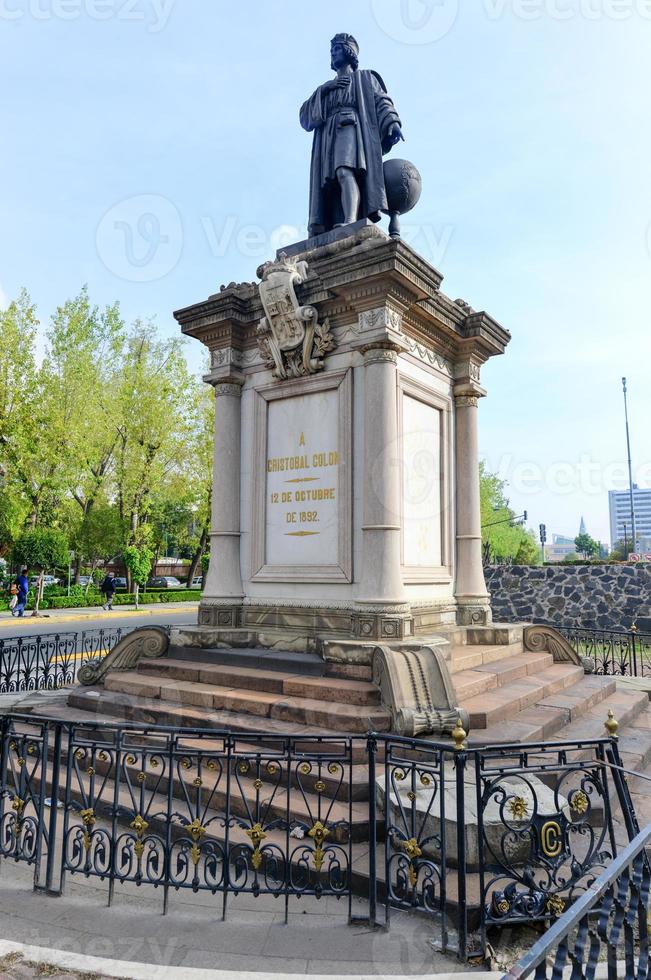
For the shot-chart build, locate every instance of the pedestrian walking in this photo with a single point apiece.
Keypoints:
(107, 588)
(22, 590)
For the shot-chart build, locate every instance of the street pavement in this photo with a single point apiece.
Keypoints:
(317, 941)
(69, 620)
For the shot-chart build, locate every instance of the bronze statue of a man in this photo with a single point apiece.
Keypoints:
(354, 123)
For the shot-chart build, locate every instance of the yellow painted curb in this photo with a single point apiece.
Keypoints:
(52, 615)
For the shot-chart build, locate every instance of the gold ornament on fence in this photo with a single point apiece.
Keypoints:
(318, 833)
(89, 820)
(140, 825)
(257, 835)
(518, 807)
(579, 803)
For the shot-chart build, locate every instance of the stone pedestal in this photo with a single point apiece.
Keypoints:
(346, 488)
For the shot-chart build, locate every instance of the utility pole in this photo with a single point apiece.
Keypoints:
(630, 472)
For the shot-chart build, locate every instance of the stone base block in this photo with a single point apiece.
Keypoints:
(530, 794)
(473, 613)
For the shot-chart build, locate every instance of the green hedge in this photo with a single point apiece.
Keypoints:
(122, 599)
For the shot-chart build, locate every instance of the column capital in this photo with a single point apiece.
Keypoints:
(230, 386)
(381, 352)
(468, 394)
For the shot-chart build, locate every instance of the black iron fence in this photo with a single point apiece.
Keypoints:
(47, 661)
(625, 653)
(474, 838)
(608, 924)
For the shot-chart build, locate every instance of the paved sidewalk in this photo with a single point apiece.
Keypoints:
(317, 941)
(94, 612)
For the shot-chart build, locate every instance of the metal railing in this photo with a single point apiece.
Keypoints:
(47, 661)
(475, 838)
(607, 924)
(626, 653)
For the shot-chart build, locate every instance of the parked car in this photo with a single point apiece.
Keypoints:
(47, 580)
(164, 582)
(120, 582)
(85, 580)
(197, 582)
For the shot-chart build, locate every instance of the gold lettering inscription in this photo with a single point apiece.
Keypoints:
(281, 464)
(302, 463)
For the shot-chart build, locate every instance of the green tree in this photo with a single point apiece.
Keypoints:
(29, 466)
(82, 368)
(155, 427)
(503, 538)
(138, 562)
(99, 536)
(585, 545)
(40, 549)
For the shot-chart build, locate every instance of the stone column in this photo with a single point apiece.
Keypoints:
(224, 579)
(381, 582)
(472, 596)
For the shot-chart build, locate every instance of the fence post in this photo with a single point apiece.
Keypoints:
(371, 748)
(619, 778)
(460, 757)
(54, 813)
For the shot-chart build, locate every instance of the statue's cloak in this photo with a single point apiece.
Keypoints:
(376, 113)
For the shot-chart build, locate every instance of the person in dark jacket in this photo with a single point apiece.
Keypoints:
(107, 588)
(22, 584)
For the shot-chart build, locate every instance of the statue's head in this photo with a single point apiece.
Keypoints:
(344, 50)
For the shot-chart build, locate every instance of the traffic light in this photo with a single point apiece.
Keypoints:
(543, 533)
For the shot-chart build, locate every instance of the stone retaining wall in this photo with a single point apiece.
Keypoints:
(597, 596)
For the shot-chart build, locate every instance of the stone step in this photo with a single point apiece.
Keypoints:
(286, 661)
(486, 677)
(301, 716)
(271, 681)
(467, 657)
(304, 710)
(535, 724)
(502, 703)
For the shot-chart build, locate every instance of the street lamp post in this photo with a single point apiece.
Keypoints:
(630, 472)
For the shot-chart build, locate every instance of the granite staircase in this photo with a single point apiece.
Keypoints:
(512, 696)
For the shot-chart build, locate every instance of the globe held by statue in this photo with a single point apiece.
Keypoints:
(403, 188)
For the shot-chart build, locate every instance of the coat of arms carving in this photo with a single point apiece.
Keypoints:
(291, 340)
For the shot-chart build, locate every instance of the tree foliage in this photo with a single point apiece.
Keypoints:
(586, 545)
(40, 549)
(105, 436)
(504, 539)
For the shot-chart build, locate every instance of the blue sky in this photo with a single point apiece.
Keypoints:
(151, 149)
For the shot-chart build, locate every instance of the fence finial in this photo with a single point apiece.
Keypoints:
(611, 724)
(459, 735)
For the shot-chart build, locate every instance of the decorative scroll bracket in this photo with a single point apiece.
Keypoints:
(291, 340)
(145, 643)
(417, 689)
(546, 639)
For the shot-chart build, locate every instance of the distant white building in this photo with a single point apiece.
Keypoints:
(559, 548)
(619, 503)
